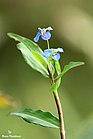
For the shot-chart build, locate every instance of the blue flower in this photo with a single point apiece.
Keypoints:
(43, 33)
(54, 53)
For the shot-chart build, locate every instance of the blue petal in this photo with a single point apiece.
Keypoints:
(47, 53)
(37, 36)
(46, 35)
(56, 56)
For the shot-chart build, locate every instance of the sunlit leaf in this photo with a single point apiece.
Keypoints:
(38, 117)
(68, 67)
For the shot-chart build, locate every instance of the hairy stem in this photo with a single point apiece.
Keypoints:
(59, 107)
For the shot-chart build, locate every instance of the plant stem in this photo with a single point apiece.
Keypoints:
(60, 114)
(59, 107)
(48, 44)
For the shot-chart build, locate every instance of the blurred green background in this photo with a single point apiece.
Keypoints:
(72, 21)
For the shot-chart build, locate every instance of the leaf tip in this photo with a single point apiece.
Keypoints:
(82, 63)
(9, 34)
(11, 113)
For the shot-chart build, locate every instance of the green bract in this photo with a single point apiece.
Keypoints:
(32, 54)
(38, 117)
(58, 70)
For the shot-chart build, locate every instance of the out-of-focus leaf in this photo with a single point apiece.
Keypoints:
(6, 100)
(32, 54)
(39, 117)
(68, 67)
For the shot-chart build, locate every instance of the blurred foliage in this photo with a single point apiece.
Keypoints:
(6, 100)
(72, 21)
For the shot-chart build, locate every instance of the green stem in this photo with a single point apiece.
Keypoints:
(48, 44)
(59, 107)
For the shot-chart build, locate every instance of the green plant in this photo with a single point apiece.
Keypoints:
(47, 63)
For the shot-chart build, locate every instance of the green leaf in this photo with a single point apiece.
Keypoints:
(27, 42)
(38, 117)
(68, 67)
(57, 67)
(52, 67)
(58, 70)
(32, 54)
